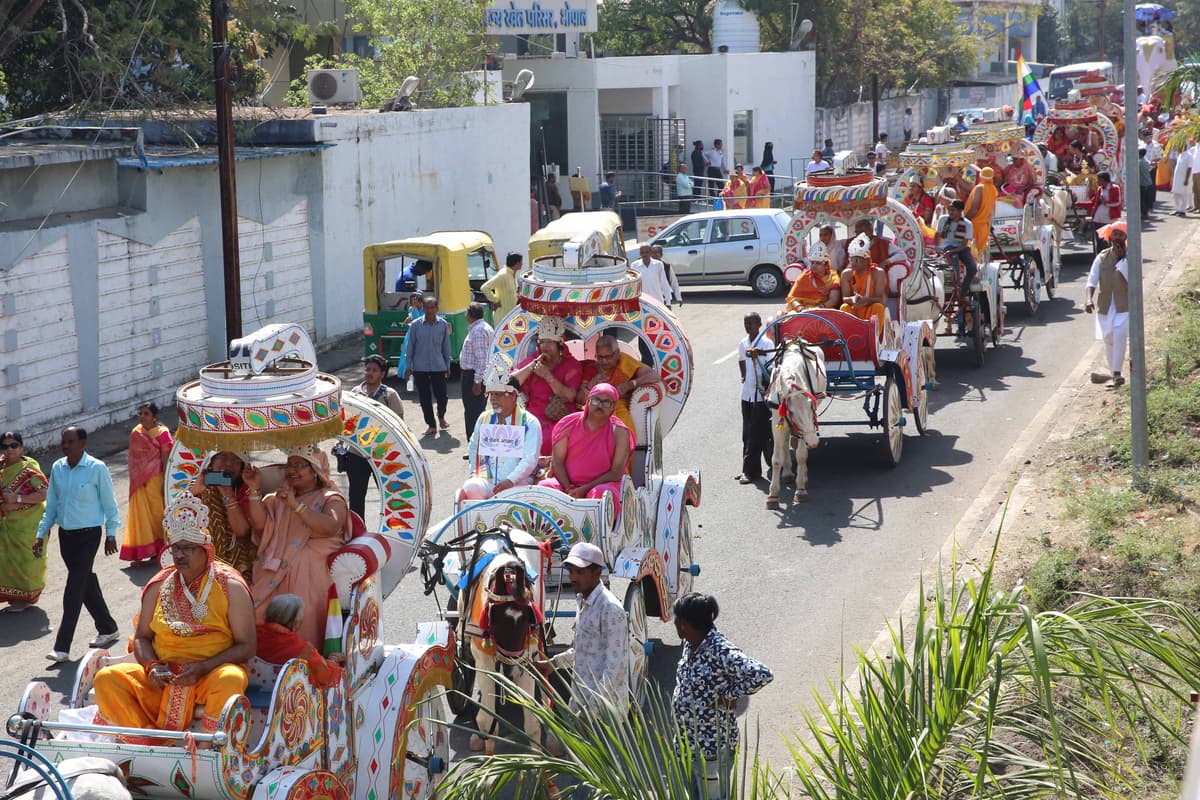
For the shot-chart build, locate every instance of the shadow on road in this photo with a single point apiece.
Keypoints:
(848, 475)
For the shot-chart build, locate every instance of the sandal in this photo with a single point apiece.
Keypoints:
(1118, 380)
(445, 425)
(430, 431)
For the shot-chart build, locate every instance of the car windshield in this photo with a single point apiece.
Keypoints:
(684, 233)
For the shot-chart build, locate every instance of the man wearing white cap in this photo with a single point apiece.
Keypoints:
(600, 652)
(864, 285)
(504, 447)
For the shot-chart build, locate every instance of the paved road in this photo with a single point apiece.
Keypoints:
(802, 587)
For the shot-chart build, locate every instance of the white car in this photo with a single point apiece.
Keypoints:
(732, 246)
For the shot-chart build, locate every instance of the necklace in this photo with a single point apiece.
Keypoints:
(199, 607)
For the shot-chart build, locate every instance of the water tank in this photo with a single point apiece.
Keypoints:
(734, 28)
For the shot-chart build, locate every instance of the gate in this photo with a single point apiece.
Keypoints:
(643, 152)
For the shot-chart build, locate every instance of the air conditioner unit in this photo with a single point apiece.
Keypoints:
(333, 86)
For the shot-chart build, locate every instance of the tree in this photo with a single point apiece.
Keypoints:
(1050, 45)
(442, 44)
(97, 55)
(898, 41)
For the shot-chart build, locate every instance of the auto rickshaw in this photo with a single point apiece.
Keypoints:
(549, 240)
(461, 261)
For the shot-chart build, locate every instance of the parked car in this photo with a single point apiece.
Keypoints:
(732, 246)
(970, 116)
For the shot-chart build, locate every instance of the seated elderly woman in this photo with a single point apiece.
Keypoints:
(299, 526)
(503, 451)
(278, 642)
(591, 449)
(194, 632)
(621, 371)
(550, 377)
(818, 286)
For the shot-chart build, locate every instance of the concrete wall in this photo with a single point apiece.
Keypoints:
(850, 126)
(397, 175)
(33, 192)
(101, 311)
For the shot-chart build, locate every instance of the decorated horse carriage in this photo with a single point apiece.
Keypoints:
(1090, 124)
(646, 537)
(372, 734)
(826, 353)
(1024, 234)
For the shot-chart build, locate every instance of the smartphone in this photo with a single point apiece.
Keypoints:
(215, 478)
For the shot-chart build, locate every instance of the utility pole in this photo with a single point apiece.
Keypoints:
(874, 108)
(222, 75)
(1104, 35)
(1133, 221)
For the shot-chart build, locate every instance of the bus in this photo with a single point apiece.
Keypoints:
(1063, 79)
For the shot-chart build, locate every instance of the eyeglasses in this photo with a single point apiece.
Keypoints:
(603, 402)
(184, 550)
(9, 445)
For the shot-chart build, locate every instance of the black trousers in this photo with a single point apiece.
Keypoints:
(78, 549)
(472, 406)
(716, 181)
(358, 475)
(756, 439)
(431, 385)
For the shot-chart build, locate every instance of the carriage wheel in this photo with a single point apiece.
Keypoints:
(893, 421)
(686, 576)
(921, 412)
(977, 340)
(1032, 285)
(427, 743)
(639, 637)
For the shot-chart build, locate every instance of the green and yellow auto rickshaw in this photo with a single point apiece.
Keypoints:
(450, 265)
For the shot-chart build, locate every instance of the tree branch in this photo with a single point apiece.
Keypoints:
(13, 30)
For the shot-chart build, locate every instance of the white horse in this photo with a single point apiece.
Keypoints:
(1055, 204)
(87, 778)
(924, 298)
(505, 633)
(798, 380)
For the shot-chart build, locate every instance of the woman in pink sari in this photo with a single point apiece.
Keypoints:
(550, 377)
(591, 449)
(149, 448)
(298, 527)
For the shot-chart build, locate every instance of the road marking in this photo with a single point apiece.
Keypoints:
(725, 358)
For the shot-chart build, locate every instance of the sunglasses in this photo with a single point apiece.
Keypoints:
(9, 445)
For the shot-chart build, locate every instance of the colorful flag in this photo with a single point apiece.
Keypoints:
(1028, 89)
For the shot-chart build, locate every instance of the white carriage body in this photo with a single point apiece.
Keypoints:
(285, 738)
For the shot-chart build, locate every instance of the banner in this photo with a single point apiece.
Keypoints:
(541, 16)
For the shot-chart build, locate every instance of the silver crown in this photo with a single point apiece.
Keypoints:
(186, 520)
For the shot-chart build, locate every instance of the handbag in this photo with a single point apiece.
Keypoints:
(556, 409)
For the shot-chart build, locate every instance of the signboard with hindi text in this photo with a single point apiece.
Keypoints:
(511, 17)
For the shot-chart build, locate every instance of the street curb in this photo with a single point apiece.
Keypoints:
(1012, 483)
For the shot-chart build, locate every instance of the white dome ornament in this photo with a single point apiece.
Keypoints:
(859, 247)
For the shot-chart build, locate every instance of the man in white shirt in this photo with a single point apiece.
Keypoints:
(600, 652)
(672, 279)
(1107, 297)
(835, 248)
(881, 149)
(717, 167)
(654, 277)
(908, 125)
(817, 164)
(757, 444)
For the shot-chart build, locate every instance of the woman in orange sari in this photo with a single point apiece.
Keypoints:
(736, 189)
(818, 286)
(760, 189)
(149, 448)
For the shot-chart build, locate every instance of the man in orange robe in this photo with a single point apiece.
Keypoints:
(864, 285)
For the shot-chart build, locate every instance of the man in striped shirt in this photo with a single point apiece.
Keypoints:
(475, 350)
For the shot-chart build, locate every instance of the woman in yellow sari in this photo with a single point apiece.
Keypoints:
(22, 503)
(759, 189)
(737, 189)
(149, 448)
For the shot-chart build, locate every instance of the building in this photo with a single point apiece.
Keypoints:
(1005, 27)
(111, 263)
(629, 115)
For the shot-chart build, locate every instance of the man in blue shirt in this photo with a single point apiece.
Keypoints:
(608, 192)
(80, 499)
(427, 356)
